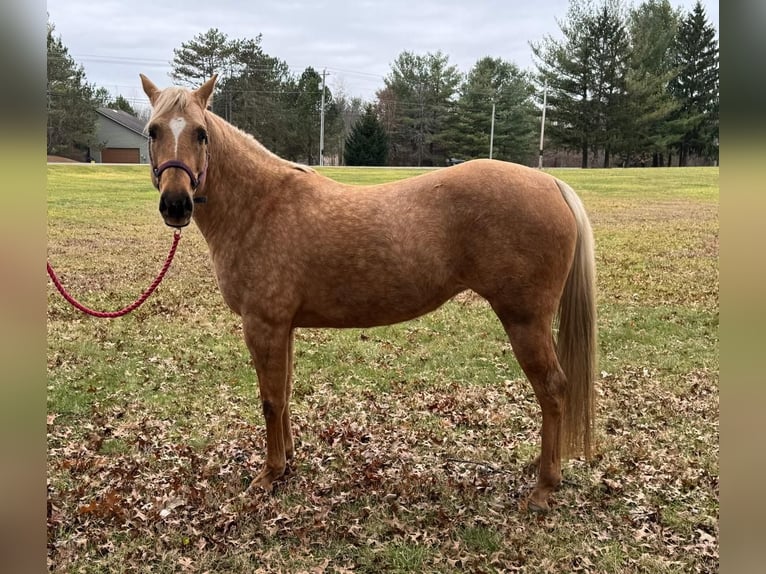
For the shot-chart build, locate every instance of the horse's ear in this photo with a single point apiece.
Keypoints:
(204, 92)
(150, 89)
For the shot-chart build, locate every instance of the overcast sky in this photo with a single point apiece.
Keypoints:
(355, 40)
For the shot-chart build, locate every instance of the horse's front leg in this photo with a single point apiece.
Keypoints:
(269, 347)
(287, 431)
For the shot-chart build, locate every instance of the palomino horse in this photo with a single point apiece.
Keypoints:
(292, 248)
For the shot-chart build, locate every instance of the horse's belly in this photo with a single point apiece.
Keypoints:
(370, 308)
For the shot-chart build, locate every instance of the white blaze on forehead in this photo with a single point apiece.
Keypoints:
(177, 125)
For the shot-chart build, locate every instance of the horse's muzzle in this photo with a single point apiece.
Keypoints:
(176, 208)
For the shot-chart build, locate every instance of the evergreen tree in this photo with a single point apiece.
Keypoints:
(696, 86)
(306, 114)
(423, 88)
(206, 54)
(120, 103)
(467, 135)
(251, 97)
(71, 103)
(611, 52)
(102, 98)
(567, 69)
(649, 130)
(367, 144)
(257, 93)
(350, 109)
(585, 74)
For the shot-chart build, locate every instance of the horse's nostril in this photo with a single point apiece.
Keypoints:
(176, 207)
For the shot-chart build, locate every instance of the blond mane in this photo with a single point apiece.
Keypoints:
(170, 99)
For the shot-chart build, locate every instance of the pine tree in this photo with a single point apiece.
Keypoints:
(611, 53)
(204, 55)
(467, 135)
(120, 103)
(250, 97)
(350, 109)
(71, 102)
(696, 86)
(585, 74)
(367, 144)
(420, 91)
(305, 113)
(567, 69)
(649, 130)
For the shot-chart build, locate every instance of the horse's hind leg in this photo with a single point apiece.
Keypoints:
(532, 342)
(270, 347)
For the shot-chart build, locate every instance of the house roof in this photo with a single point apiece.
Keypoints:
(124, 119)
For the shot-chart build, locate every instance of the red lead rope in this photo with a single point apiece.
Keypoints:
(133, 306)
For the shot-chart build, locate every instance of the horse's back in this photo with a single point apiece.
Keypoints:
(482, 213)
(479, 191)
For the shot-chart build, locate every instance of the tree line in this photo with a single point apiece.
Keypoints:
(639, 84)
(623, 86)
(72, 103)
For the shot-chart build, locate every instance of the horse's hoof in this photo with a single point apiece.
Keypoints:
(537, 507)
(264, 481)
(260, 484)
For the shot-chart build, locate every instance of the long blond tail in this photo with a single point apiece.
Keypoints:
(576, 344)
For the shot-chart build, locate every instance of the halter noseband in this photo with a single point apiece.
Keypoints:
(196, 181)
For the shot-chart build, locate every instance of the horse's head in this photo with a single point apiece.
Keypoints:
(178, 147)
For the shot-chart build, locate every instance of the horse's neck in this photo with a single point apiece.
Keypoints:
(240, 170)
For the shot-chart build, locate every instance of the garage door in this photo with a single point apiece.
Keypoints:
(120, 155)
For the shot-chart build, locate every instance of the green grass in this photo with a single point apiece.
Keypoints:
(413, 441)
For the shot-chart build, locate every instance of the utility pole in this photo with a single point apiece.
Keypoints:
(321, 121)
(542, 124)
(492, 131)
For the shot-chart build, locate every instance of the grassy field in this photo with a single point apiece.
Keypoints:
(413, 441)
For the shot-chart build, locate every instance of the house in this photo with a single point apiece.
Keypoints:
(121, 138)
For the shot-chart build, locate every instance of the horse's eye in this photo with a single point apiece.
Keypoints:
(152, 132)
(201, 135)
